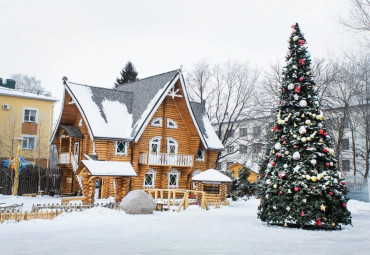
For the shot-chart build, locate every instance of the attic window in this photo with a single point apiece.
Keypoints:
(80, 123)
(200, 155)
(121, 148)
(171, 123)
(157, 122)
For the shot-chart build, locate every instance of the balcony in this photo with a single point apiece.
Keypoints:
(68, 158)
(166, 159)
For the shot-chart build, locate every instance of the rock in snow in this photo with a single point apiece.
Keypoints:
(138, 202)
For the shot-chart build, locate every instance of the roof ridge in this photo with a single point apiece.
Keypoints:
(148, 78)
(99, 87)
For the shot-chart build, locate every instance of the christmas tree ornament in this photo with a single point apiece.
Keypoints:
(295, 38)
(288, 208)
(313, 178)
(275, 186)
(333, 224)
(301, 42)
(287, 152)
(273, 163)
(319, 222)
(296, 155)
(304, 200)
(268, 182)
(302, 130)
(303, 103)
(277, 146)
(291, 86)
(285, 166)
(300, 78)
(296, 169)
(296, 97)
(331, 151)
(294, 67)
(301, 61)
(302, 213)
(344, 205)
(308, 122)
(298, 89)
(325, 150)
(296, 189)
(331, 164)
(281, 192)
(308, 73)
(304, 139)
(313, 161)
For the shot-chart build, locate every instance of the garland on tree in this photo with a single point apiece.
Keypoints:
(302, 186)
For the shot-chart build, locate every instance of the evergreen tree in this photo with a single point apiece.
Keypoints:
(241, 187)
(128, 74)
(302, 186)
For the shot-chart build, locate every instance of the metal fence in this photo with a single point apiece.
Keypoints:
(29, 180)
(358, 188)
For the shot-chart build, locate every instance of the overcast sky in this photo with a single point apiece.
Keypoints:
(90, 41)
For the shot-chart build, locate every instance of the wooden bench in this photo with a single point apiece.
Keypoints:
(66, 200)
(30, 195)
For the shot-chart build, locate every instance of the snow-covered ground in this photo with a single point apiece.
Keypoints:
(228, 230)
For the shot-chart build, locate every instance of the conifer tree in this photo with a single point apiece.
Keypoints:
(302, 186)
(241, 186)
(128, 74)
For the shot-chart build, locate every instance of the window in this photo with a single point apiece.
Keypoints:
(345, 144)
(171, 123)
(155, 144)
(228, 164)
(257, 147)
(80, 123)
(172, 145)
(346, 165)
(200, 155)
(29, 142)
(149, 178)
(243, 149)
(243, 132)
(230, 149)
(121, 148)
(30, 115)
(157, 122)
(173, 178)
(212, 188)
(256, 130)
(218, 166)
(231, 132)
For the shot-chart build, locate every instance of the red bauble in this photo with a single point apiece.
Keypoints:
(302, 214)
(327, 164)
(321, 132)
(319, 222)
(325, 150)
(296, 189)
(273, 163)
(301, 79)
(275, 127)
(278, 155)
(325, 133)
(331, 193)
(301, 42)
(314, 188)
(294, 26)
(284, 89)
(344, 205)
(267, 175)
(284, 142)
(282, 137)
(301, 61)
(281, 192)
(343, 183)
(307, 148)
(295, 146)
(298, 88)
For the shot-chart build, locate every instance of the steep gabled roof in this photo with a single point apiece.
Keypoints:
(123, 113)
(207, 131)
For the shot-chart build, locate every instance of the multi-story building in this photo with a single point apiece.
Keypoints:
(26, 115)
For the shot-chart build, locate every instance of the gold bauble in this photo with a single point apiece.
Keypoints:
(275, 186)
(309, 138)
(313, 178)
(333, 224)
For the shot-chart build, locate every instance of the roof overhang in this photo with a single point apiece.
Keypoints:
(109, 168)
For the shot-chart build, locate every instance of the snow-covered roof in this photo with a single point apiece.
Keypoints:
(26, 94)
(109, 168)
(123, 113)
(205, 126)
(211, 175)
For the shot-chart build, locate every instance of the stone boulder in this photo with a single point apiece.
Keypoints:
(138, 202)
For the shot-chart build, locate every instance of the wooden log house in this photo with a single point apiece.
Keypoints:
(145, 134)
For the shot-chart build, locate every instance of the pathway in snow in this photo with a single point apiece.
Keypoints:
(229, 230)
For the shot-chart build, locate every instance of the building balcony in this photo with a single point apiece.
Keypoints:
(166, 159)
(68, 158)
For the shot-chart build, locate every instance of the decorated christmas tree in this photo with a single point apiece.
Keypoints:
(302, 186)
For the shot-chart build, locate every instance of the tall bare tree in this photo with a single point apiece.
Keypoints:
(24, 81)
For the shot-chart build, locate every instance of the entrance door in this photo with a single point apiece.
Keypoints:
(76, 151)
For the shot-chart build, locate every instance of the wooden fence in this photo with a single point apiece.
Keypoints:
(29, 180)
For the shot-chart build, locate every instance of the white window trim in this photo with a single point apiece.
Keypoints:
(120, 153)
(168, 145)
(203, 156)
(156, 119)
(35, 144)
(33, 109)
(80, 122)
(173, 122)
(176, 172)
(159, 144)
(154, 173)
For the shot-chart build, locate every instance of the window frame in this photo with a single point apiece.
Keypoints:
(345, 141)
(30, 109)
(169, 120)
(153, 173)
(348, 163)
(173, 172)
(243, 131)
(243, 149)
(202, 159)
(158, 144)
(116, 153)
(26, 137)
(157, 119)
(230, 149)
(175, 143)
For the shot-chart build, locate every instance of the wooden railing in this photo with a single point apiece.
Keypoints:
(166, 159)
(64, 158)
(159, 195)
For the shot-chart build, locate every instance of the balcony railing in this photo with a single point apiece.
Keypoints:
(166, 159)
(66, 158)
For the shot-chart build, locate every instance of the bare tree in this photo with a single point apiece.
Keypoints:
(229, 92)
(358, 19)
(26, 82)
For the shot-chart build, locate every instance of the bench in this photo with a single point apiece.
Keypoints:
(30, 195)
(66, 200)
